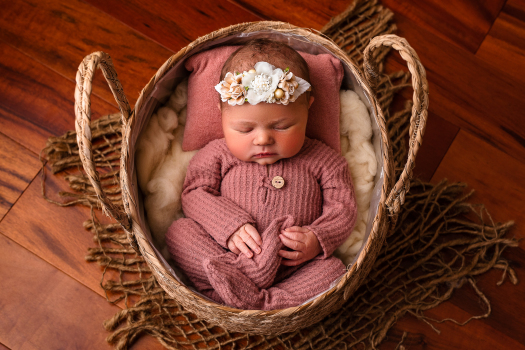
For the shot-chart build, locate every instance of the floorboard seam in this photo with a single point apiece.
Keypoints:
(18, 143)
(448, 149)
(57, 269)
(5, 346)
(491, 25)
(132, 28)
(21, 194)
(251, 10)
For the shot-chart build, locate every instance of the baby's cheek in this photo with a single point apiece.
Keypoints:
(237, 146)
(291, 144)
(240, 152)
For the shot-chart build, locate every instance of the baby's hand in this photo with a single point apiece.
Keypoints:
(305, 244)
(246, 235)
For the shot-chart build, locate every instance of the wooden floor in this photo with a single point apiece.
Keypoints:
(474, 54)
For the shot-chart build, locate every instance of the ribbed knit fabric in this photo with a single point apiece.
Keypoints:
(222, 193)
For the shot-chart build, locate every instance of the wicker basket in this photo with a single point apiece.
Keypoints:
(390, 193)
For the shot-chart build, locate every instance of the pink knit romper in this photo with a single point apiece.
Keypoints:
(221, 193)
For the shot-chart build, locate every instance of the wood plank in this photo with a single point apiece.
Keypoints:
(496, 176)
(18, 167)
(175, 24)
(42, 307)
(475, 335)
(35, 102)
(497, 179)
(54, 234)
(468, 92)
(464, 23)
(314, 14)
(439, 135)
(60, 33)
(504, 46)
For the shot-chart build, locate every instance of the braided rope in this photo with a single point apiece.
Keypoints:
(84, 86)
(396, 198)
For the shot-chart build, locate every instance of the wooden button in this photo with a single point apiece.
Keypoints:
(277, 182)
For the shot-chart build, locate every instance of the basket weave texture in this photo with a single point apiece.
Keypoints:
(392, 192)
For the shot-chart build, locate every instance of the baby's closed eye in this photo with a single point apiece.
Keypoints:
(244, 130)
(282, 127)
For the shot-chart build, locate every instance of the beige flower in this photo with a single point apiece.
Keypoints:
(231, 89)
(288, 84)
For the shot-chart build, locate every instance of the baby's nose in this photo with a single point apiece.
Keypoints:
(263, 138)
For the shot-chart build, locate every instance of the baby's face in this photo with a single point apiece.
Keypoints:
(266, 132)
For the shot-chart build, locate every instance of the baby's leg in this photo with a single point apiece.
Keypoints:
(224, 270)
(189, 244)
(310, 280)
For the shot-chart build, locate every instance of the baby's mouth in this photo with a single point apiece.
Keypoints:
(264, 154)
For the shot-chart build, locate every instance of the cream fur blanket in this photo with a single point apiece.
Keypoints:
(161, 165)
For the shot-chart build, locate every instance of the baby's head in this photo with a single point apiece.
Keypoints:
(265, 127)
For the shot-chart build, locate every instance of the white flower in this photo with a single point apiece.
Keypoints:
(262, 83)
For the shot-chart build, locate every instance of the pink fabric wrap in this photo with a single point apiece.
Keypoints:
(221, 193)
(203, 121)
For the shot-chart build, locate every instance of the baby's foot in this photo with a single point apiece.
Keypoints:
(233, 287)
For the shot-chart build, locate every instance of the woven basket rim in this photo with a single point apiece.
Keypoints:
(270, 321)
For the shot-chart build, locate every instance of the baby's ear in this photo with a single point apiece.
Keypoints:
(311, 101)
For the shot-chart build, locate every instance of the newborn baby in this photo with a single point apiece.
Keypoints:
(266, 206)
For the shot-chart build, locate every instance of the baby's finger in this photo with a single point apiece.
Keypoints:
(290, 255)
(239, 243)
(290, 243)
(249, 241)
(296, 236)
(253, 233)
(233, 248)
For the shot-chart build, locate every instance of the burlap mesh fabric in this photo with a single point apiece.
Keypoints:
(439, 243)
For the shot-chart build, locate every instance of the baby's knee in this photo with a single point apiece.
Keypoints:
(330, 266)
(183, 231)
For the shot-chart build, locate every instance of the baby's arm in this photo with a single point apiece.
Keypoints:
(334, 225)
(202, 200)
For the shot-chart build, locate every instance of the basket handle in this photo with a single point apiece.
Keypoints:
(84, 79)
(418, 120)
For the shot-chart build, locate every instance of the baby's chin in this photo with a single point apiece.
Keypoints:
(265, 161)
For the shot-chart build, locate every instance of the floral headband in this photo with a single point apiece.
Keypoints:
(265, 83)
